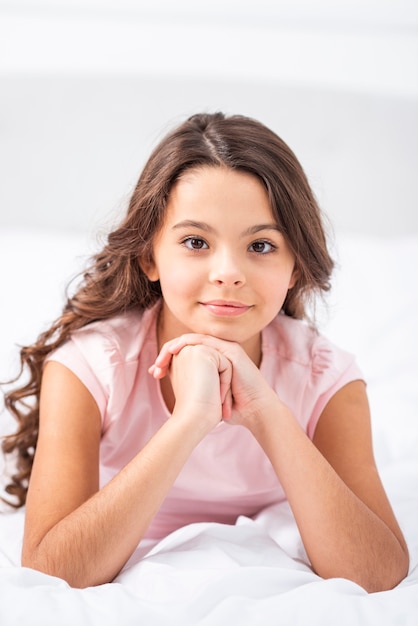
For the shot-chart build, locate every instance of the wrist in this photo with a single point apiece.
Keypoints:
(196, 424)
(268, 417)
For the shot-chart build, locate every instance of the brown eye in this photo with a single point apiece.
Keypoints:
(195, 243)
(262, 247)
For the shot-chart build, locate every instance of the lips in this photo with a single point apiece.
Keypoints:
(226, 308)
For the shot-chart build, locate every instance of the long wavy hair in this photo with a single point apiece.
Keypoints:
(114, 281)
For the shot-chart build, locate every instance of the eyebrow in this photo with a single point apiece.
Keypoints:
(252, 230)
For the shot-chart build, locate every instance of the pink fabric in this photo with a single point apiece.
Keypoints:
(227, 474)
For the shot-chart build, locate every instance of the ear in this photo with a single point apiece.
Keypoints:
(149, 268)
(294, 278)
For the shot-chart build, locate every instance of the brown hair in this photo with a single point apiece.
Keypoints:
(114, 282)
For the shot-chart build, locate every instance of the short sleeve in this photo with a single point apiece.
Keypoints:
(305, 368)
(332, 368)
(104, 357)
(74, 357)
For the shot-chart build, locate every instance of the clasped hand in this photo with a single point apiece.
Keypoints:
(216, 378)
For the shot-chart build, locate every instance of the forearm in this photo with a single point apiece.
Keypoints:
(343, 537)
(91, 544)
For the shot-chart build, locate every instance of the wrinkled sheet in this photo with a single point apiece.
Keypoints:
(255, 572)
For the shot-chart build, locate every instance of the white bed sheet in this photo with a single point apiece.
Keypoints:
(256, 571)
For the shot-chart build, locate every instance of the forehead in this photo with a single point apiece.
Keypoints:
(210, 190)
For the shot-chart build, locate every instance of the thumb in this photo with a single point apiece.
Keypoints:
(225, 378)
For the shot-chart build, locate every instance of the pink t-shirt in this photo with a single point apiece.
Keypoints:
(227, 474)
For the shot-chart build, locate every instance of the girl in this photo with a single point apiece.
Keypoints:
(181, 383)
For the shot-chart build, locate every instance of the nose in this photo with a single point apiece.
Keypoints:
(226, 270)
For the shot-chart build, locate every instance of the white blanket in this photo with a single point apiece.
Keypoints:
(255, 572)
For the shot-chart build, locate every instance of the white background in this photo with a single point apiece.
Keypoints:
(89, 86)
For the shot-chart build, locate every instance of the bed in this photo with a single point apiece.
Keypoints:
(255, 571)
(74, 138)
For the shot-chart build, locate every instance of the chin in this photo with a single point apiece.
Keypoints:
(228, 334)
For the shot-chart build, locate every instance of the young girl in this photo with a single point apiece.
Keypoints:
(181, 383)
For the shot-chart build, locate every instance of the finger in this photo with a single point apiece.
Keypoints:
(227, 406)
(225, 376)
(158, 372)
(162, 363)
(189, 339)
(225, 380)
(166, 353)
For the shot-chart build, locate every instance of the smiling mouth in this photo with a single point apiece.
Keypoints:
(226, 309)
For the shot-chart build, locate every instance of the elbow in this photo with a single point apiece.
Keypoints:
(32, 560)
(378, 584)
(377, 579)
(35, 560)
(76, 573)
(386, 579)
(389, 574)
(29, 559)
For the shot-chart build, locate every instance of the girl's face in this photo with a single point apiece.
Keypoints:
(223, 265)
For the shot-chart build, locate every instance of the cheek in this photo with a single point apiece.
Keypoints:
(276, 290)
(177, 281)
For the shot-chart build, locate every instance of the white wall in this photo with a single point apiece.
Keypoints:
(88, 86)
